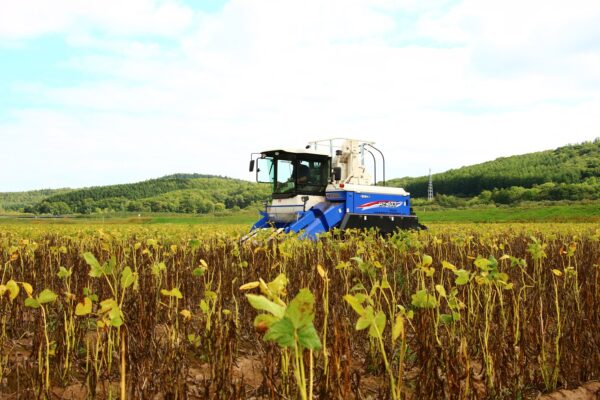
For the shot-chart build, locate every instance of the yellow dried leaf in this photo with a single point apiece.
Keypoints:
(447, 265)
(321, 271)
(250, 285)
(27, 288)
(187, 315)
(13, 289)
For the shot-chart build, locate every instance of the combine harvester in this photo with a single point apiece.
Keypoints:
(316, 191)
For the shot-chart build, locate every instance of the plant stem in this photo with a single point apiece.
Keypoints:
(123, 365)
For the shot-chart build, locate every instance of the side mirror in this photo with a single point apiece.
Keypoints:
(251, 165)
(337, 173)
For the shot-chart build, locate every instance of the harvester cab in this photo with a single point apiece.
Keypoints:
(326, 186)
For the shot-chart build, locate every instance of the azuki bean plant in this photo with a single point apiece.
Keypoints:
(492, 311)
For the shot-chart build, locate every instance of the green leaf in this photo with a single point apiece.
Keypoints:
(502, 277)
(423, 299)
(84, 308)
(277, 285)
(116, 317)
(359, 287)
(95, 268)
(64, 273)
(199, 271)
(462, 277)
(384, 283)
(127, 277)
(446, 318)
(300, 310)
(210, 295)
(266, 319)
(378, 325)
(204, 306)
(398, 327)
(31, 302)
(91, 259)
(493, 263)
(47, 296)
(363, 322)
(308, 338)
(107, 305)
(172, 293)
(261, 303)
(427, 260)
(355, 303)
(440, 289)
(109, 267)
(116, 321)
(157, 268)
(374, 289)
(281, 332)
(482, 264)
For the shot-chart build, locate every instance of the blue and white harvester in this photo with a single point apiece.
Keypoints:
(315, 191)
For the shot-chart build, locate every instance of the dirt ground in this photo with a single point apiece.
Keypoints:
(589, 391)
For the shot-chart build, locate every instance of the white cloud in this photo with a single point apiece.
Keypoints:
(30, 18)
(276, 73)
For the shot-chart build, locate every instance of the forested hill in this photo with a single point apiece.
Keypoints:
(189, 193)
(14, 201)
(570, 172)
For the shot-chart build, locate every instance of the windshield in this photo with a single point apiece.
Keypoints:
(285, 177)
(293, 174)
(312, 175)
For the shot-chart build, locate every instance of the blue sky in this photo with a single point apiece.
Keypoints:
(95, 93)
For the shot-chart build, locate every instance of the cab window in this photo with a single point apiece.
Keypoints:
(285, 177)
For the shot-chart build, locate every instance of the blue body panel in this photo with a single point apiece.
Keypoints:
(261, 223)
(372, 203)
(329, 214)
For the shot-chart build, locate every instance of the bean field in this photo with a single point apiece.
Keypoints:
(462, 311)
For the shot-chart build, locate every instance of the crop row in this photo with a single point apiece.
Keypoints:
(464, 311)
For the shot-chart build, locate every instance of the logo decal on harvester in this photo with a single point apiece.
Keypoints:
(382, 204)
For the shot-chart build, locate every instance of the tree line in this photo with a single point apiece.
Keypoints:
(179, 193)
(568, 173)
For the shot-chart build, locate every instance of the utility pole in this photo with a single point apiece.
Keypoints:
(430, 188)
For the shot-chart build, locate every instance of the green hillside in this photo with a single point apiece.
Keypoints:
(15, 201)
(568, 173)
(185, 193)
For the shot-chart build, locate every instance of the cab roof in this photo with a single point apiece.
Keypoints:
(298, 152)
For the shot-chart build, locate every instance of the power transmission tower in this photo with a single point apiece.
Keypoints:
(430, 188)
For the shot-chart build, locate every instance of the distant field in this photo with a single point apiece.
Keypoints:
(558, 213)
(240, 218)
(554, 213)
